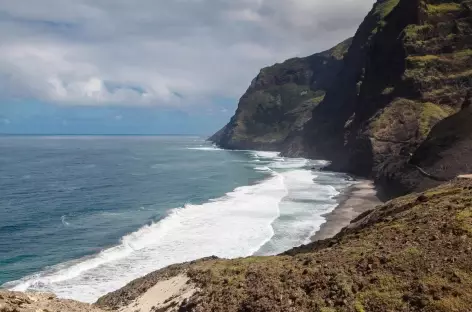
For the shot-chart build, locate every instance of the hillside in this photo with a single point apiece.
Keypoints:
(411, 254)
(280, 99)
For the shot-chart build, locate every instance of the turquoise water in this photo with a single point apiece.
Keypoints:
(82, 216)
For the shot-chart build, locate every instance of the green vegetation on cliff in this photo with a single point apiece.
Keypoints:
(407, 69)
(280, 100)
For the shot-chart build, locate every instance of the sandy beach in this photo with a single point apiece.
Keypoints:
(359, 198)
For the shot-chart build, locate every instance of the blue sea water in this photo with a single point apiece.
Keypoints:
(83, 216)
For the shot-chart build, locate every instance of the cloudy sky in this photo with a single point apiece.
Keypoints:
(150, 66)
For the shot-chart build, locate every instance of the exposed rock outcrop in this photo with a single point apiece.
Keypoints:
(40, 302)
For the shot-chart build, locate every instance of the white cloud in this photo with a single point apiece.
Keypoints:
(158, 52)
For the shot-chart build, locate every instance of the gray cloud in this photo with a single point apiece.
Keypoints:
(158, 52)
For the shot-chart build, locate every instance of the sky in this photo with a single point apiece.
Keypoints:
(150, 66)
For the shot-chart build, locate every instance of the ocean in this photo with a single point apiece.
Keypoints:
(83, 216)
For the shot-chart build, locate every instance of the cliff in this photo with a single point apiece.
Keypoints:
(407, 68)
(446, 151)
(279, 101)
(412, 254)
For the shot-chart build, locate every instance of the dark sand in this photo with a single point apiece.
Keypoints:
(359, 198)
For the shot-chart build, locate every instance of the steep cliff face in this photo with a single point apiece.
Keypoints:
(280, 100)
(446, 153)
(409, 67)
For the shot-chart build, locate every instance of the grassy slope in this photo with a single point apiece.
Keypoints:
(411, 254)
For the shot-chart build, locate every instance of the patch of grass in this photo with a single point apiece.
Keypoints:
(375, 300)
(317, 100)
(388, 90)
(400, 110)
(431, 114)
(422, 60)
(465, 219)
(443, 8)
(464, 74)
(412, 251)
(326, 309)
(463, 53)
(384, 8)
(359, 307)
(415, 32)
(442, 192)
(340, 50)
(450, 303)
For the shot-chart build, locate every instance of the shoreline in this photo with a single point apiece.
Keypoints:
(355, 200)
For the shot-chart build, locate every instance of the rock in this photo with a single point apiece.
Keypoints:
(422, 198)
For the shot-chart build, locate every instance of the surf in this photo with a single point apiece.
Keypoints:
(235, 225)
(278, 212)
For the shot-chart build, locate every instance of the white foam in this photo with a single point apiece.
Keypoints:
(301, 211)
(64, 222)
(262, 154)
(205, 148)
(262, 168)
(235, 225)
(290, 163)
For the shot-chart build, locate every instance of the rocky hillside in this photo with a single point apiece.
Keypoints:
(280, 99)
(411, 254)
(407, 68)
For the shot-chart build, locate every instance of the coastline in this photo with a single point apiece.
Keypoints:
(355, 200)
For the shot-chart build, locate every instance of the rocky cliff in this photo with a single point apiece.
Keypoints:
(446, 152)
(280, 99)
(407, 68)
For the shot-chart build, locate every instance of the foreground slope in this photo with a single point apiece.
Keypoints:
(412, 254)
(280, 100)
